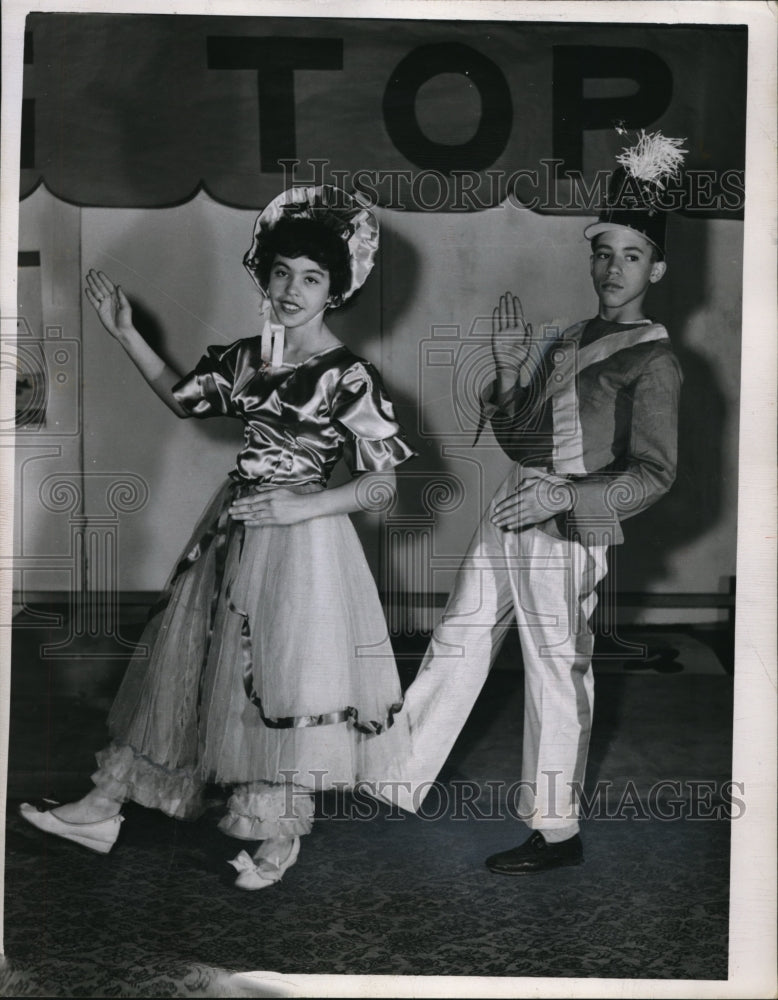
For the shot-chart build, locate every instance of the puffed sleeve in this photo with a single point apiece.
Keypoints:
(206, 390)
(362, 410)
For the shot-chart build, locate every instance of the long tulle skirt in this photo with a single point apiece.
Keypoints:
(267, 661)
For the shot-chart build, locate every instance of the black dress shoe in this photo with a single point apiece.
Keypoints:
(537, 855)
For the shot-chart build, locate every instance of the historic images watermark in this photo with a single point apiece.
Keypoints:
(666, 800)
(545, 187)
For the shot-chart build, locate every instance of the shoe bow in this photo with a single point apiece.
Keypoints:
(243, 863)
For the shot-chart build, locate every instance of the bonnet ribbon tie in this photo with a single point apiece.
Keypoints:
(272, 348)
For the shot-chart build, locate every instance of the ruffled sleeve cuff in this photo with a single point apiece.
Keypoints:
(362, 455)
(374, 440)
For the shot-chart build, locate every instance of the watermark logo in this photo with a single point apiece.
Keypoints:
(543, 187)
(666, 800)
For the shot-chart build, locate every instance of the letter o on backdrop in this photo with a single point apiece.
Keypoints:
(399, 108)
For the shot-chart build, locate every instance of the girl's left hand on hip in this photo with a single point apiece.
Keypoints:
(274, 507)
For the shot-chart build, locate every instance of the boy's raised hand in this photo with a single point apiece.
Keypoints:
(109, 302)
(511, 341)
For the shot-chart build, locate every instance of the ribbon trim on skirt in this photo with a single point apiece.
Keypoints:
(217, 533)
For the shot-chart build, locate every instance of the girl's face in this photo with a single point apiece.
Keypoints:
(298, 289)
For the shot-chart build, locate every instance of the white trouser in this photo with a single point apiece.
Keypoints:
(547, 585)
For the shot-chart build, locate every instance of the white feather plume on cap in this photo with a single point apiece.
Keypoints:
(654, 159)
(633, 199)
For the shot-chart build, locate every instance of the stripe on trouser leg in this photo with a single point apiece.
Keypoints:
(554, 595)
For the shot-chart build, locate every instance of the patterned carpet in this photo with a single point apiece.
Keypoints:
(159, 916)
(400, 895)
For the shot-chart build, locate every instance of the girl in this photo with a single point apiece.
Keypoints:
(270, 668)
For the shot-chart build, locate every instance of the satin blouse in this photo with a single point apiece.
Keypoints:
(299, 419)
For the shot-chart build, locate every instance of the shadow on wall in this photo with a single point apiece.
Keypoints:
(397, 543)
(401, 274)
(221, 432)
(392, 286)
(695, 503)
(182, 461)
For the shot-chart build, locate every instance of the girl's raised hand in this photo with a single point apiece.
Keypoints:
(109, 302)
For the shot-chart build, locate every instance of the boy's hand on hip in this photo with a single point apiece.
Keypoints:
(536, 499)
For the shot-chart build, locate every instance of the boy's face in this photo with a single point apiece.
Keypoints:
(622, 268)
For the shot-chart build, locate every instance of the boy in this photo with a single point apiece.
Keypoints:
(591, 421)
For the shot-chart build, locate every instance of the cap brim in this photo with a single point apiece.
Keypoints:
(606, 227)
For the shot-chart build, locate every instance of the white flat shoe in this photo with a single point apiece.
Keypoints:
(260, 873)
(99, 836)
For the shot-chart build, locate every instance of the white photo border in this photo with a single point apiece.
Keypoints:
(753, 864)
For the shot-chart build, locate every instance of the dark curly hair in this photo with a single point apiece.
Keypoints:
(291, 237)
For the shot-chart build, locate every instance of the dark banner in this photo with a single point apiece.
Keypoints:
(144, 110)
